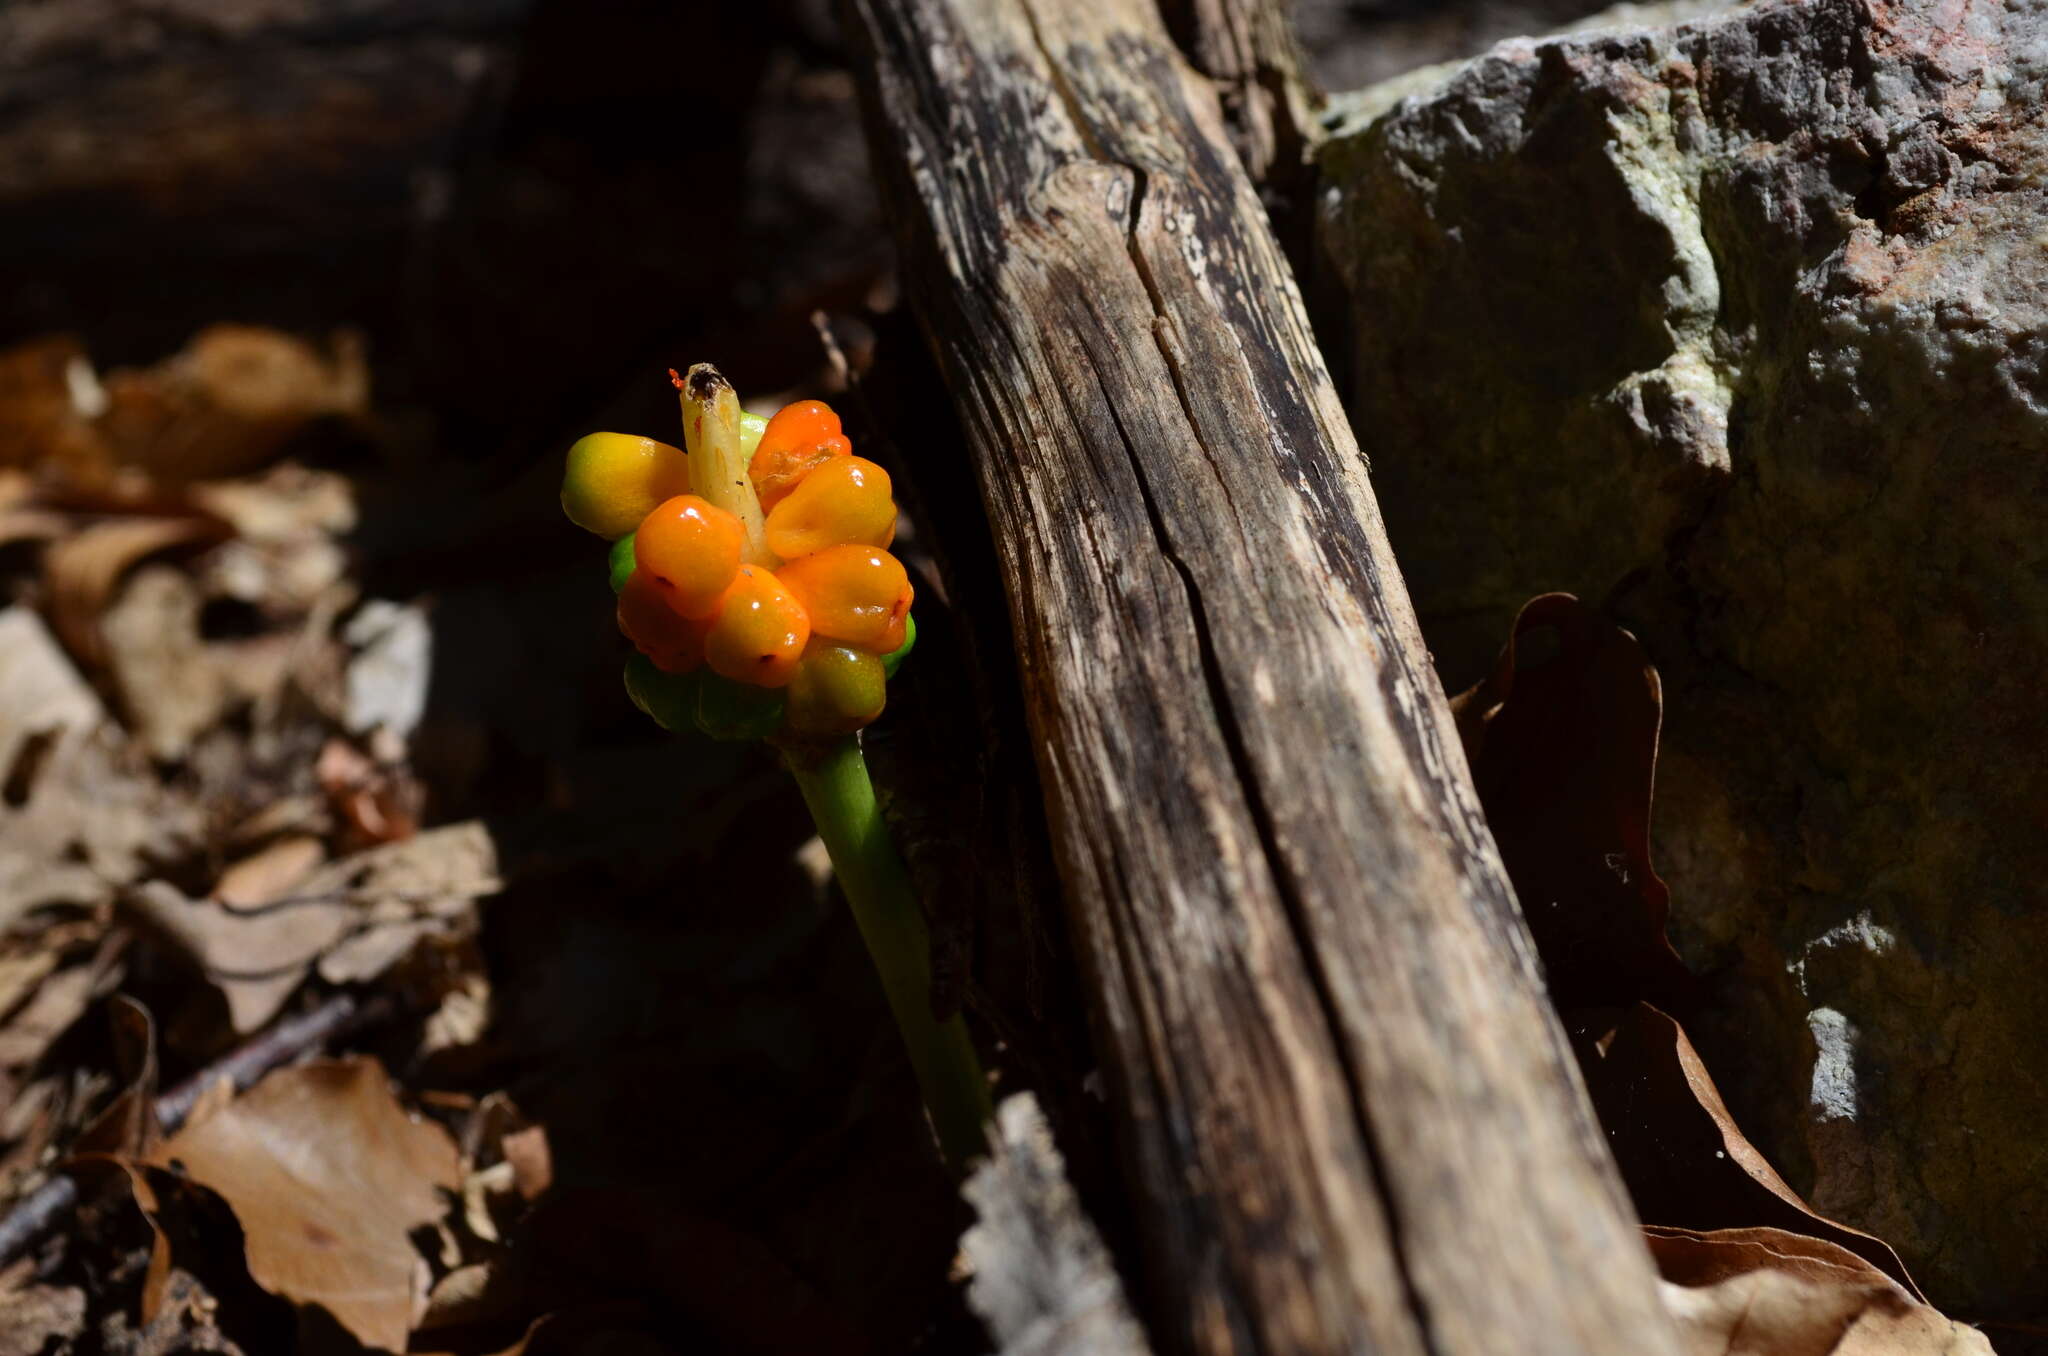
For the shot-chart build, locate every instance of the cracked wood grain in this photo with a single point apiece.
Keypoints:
(1352, 1121)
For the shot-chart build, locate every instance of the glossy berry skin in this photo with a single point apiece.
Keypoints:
(759, 633)
(614, 479)
(858, 595)
(692, 549)
(801, 437)
(837, 690)
(844, 501)
(674, 643)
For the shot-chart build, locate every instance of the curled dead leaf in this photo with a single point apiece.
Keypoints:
(1766, 1292)
(328, 1177)
(229, 401)
(48, 398)
(1686, 1162)
(171, 688)
(1562, 738)
(84, 568)
(272, 921)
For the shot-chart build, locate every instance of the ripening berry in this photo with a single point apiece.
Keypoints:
(858, 595)
(893, 660)
(799, 438)
(760, 631)
(846, 500)
(614, 479)
(673, 642)
(837, 689)
(692, 548)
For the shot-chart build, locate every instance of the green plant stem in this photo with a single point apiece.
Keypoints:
(834, 781)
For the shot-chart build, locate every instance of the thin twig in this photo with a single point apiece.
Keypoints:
(52, 1202)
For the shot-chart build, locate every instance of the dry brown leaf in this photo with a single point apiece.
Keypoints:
(257, 958)
(170, 687)
(1562, 738)
(1765, 1292)
(83, 570)
(408, 890)
(128, 1124)
(353, 918)
(44, 705)
(1686, 1162)
(285, 504)
(19, 976)
(83, 819)
(379, 802)
(47, 394)
(40, 692)
(532, 1164)
(31, 524)
(59, 1001)
(269, 875)
(40, 1318)
(328, 1177)
(229, 401)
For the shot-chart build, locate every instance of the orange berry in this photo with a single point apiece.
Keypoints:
(846, 500)
(760, 631)
(692, 549)
(800, 437)
(858, 595)
(673, 642)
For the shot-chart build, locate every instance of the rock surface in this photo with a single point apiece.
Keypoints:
(1739, 327)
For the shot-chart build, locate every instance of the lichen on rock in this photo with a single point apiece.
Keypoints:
(1738, 327)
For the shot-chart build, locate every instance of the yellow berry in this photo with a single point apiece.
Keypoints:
(613, 480)
(837, 689)
(845, 500)
(760, 631)
(855, 594)
(692, 549)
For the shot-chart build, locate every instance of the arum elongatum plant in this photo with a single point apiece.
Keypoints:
(754, 580)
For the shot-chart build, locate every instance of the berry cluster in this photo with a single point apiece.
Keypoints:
(761, 604)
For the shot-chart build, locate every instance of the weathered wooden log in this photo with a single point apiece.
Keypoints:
(1353, 1123)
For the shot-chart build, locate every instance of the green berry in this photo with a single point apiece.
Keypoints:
(622, 562)
(669, 699)
(729, 710)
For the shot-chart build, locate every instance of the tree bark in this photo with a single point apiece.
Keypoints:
(1352, 1121)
